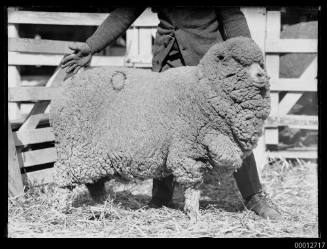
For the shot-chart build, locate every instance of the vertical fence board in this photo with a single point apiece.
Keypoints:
(132, 44)
(154, 32)
(272, 65)
(15, 181)
(145, 48)
(271, 133)
(273, 25)
(13, 81)
(13, 78)
(256, 19)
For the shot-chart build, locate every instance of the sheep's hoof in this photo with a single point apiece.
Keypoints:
(194, 217)
(99, 198)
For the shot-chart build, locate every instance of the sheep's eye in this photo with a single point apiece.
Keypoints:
(221, 57)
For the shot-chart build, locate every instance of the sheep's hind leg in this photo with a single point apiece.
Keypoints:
(97, 190)
(191, 206)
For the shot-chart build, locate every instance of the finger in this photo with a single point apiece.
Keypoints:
(74, 47)
(65, 55)
(76, 69)
(71, 68)
(67, 59)
(69, 63)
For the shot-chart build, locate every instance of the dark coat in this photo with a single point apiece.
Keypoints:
(194, 28)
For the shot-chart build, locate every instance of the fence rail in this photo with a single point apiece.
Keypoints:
(40, 46)
(292, 46)
(265, 30)
(16, 59)
(147, 19)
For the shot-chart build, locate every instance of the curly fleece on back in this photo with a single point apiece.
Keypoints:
(132, 123)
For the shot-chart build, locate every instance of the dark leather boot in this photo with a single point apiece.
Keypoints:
(263, 206)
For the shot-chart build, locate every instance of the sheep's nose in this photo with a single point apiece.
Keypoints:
(258, 75)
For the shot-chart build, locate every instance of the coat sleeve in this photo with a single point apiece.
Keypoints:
(233, 22)
(112, 27)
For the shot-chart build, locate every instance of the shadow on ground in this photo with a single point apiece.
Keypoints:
(216, 192)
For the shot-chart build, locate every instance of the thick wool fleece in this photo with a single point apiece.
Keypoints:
(132, 123)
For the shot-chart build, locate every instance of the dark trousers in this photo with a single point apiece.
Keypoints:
(247, 178)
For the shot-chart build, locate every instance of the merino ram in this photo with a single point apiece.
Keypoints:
(117, 122)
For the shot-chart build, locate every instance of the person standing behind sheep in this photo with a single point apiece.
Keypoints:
(183, 36)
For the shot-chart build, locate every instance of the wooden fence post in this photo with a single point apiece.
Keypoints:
(13, 78)
(15, 181)
(145, 48)
(256, 19)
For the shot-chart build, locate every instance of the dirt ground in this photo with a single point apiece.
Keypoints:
(292, 186)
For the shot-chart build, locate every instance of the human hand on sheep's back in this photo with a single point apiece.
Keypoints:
(81, 57)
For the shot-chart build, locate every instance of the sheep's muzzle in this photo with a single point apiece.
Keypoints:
(258, 75)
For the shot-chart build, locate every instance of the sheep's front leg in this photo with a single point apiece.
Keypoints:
(189, 173)
(191, 206)
(222, 151)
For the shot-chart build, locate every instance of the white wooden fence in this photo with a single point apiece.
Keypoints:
(264, 27)
(295, 88)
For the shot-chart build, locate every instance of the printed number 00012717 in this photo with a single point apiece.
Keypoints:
(309, 244)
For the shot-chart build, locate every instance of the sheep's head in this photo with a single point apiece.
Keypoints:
(235, 72)
(228, 58)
